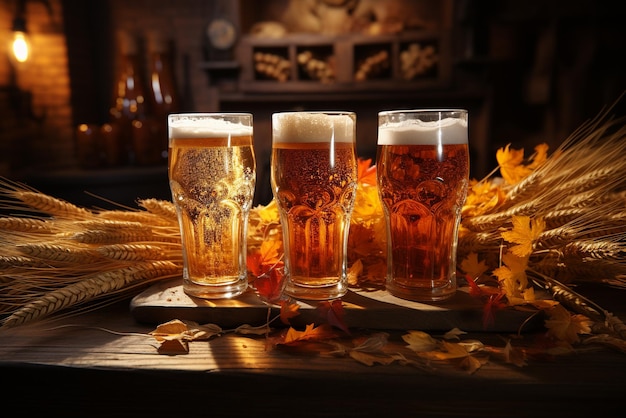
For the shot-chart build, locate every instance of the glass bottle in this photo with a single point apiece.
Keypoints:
(129, 94)
(150, 134)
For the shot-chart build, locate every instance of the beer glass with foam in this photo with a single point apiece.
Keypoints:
(314, 178)
(422, 167)
(212, 175)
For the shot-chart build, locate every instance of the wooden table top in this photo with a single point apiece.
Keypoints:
(104, 362)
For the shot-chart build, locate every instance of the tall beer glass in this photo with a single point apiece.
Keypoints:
(314, 177)
(212, 175)
(422, 172)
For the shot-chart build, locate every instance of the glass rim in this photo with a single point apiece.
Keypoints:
(422, 111)
(207, 114)
(316, 112)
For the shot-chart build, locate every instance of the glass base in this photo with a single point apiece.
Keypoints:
(335, 291)
(421, 294)
(226, 291)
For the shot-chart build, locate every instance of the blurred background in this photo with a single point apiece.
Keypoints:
(85, 91)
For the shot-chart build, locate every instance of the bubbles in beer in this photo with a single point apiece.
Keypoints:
(212, 181)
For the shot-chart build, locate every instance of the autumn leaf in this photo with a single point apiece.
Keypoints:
(269, 287)
(355, 270)
(494, 303)
(177, 329)
(565, 326)
(310, 333)
(173, 347)
(420, 341)
(453, 334)
(524, 233)
(482, 197)
(510, 163)
(368, 351)
(288, 309)
(366, 172)
(512, 278)
(457, 354)
(334, 314)
(514, 355)
(174, 336)
(472, 266)
(265, 258)
(540, 156)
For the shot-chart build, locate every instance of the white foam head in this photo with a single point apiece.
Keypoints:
(417, 132)
(198, 125)
(313, 127)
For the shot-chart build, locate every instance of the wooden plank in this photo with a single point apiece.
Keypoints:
(371, 310)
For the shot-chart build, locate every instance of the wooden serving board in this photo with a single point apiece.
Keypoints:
(363, 309)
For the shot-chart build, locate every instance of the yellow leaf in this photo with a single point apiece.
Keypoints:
(524, 233)
(472, 267)
(354, 272)
(510, 163)
(562, 325)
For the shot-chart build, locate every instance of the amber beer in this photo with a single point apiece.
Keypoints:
(314, 177)
(422, 174)
(212, 174)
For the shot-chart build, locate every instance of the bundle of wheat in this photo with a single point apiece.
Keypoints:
(56, 255)
(552, 222)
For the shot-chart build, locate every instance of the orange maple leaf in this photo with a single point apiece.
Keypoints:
(269, 286)
(366, 172)
(265, 258)
(288, 310)
(310, 333)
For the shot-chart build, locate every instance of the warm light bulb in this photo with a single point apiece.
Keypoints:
(20, 46)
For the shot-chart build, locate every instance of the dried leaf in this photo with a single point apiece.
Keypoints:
(420, 341)
(334, 314)
(564, 326)
(453, 334)
(247, 329)
(173, 347)
(514, 355)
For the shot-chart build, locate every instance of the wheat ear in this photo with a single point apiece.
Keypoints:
(88, 289)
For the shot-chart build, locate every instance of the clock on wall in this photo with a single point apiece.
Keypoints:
(221, 33)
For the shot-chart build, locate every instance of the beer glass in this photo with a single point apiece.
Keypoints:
(314, 178)
(422, 168)
(212, 175)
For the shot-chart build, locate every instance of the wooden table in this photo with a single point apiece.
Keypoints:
(104, 363)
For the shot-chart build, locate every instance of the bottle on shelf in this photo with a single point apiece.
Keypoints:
(129, 103)
(150, 134)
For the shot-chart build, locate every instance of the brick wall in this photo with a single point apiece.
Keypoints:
(38, 132)
(45, 139)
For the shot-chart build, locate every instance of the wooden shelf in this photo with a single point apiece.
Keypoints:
(346, 54)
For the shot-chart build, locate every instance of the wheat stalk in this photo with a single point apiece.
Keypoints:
(97, 285)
